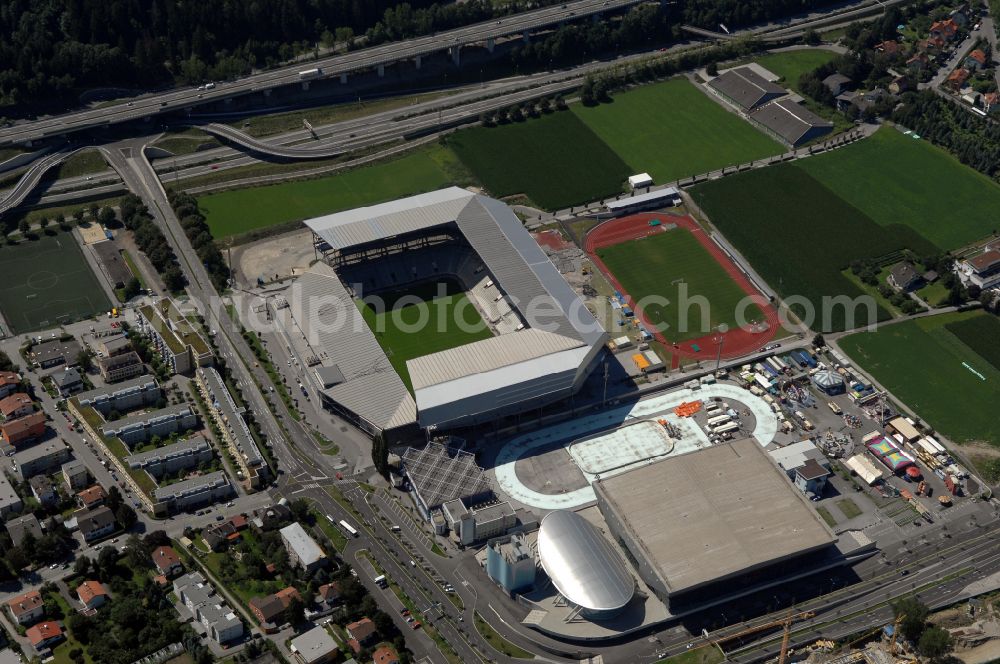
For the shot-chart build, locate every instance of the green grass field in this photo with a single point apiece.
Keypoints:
(672, 130)
(234, 212)
(555, 160)
(896, 179)
(790, 65)
(981, 334)
(47, 282)
(799, 235)
(437, 323)
(921, 362)
(660, 266)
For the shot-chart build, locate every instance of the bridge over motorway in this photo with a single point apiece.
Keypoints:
(341, 66)
(31, 178)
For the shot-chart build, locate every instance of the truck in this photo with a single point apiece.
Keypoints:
(306, 74)
(381, 581)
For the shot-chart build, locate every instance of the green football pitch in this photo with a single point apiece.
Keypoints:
(432, 323)
(664, 271)
(46, 283)
(929, 367)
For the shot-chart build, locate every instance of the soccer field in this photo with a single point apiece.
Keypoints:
(948, 384)
(48, 282)
(673, 130)
(674, 265)
(555, 160)
(896, 179)
(435, 324)
(238, 211)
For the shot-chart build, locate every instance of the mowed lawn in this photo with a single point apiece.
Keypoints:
(790, 65)
(555, 160)
(799, 236)
(981, 334)
(921, 362)
(415, 330)
(48, 282)
(896, 179)
(675, 266)
(673, 130)
(233, 212)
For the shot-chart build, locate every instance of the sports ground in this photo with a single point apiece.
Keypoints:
(644, 261)
(930, 364)
(47, 282)
(434, 324)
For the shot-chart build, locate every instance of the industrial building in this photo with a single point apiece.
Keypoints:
(792, 124)
(135, 393)
(302, 549)
(745, 88)
(439, 474)
(584, 566)
(174, 337)
(172, 458)
(805, 465)
(510, 562)
(143, 426)
(545, 340)
(706, 520)
(469, 526)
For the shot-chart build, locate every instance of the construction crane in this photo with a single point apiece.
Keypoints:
(783, 622)
(787, 633)
(895, 632)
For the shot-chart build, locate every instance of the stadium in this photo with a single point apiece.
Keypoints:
(437, 311)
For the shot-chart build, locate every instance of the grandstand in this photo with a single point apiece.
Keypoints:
(543, 341)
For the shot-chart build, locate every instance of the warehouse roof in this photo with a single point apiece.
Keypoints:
(791, 121)
(746, 88)
(713, 514)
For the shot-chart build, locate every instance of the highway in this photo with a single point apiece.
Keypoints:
(151, 105)
(30, 180)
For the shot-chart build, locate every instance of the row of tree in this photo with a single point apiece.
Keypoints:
(521, 112)
(148, 236)
(196, 228)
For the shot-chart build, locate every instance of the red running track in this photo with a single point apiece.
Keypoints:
(737, 342)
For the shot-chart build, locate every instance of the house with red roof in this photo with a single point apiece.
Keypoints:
(385, 655)
(957, 78)
(91, 497)
(362, 631)
(975, 60)
(946, 30)
(92, 594)
(269, 608)
(889, 47)
(44, 635)
(991, 102)
(16, 405)
(167, 561)
(9, 382)
(27, 608)
(24, 429)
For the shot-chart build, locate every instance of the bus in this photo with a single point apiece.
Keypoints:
(718, 420)
(726, 428)
(348, 529)
(381, 581)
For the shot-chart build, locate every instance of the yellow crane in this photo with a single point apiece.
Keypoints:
(785, 623)
(895, 632)
(786, 635)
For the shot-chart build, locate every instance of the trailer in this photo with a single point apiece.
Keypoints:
(774, 364)
(768, 369)
(726, 428)
(718, 420)
(781, 364)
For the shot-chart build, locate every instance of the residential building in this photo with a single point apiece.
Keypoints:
(982, 269)
(302, 549)
(385, 655)
(9, 382)
(135, 393)
(116, 345)
(44, 635)
(91, 497)
(92, 594)
(889, 47)
(899, 85)
(22, 526)
(23, 430)
(957, 78)
(269, 608)
(55, 352)
(217, 535)
(68, 381)
(141, 427)
(253, 470)
(45, 457)
(116, 368)
(193, 492)
(975, 60)
(42, 490)
(328, 594)
(362, 631)
(314, 647)
(96, 523)
(26, 608)
(903, 277)
(16, 405)
(173, 336)
(198, 596)
(172, 458)
(76, 474)
(836, 83)
(946, 30)
(10, 502)
(167, 561)
(991, 101)
(917, 62)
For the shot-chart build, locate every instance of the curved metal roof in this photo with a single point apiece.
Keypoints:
(583, 565)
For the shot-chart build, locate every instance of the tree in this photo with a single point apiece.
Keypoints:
(85, 359)
(935, 642)
(94, 210)
(125, 516)
(78, 216)
(107, 217)
(114, 498)
(587, 96)
(914, 613)
(380, 455)
(132, 288)
(107, 561)
(296, 611)
(819, 341)
(43, 222)
(811, 37)
(23, 226)
(81, 566)
(300, 510)
(712, 69)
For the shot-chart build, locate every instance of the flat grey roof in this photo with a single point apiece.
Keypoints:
(305, 547)
(713, 514)
(789, 120)
(193, 444)
(118, 388)
(746, 88)
(639, 199)
(314, 644)
(193, 485)
(39, 451)
(176, 410)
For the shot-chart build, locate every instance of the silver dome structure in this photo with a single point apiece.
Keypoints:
(584, 566)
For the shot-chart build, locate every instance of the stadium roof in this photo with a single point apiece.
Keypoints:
(711, 515)
(582, 563)
(746, 88)
(440, 475)
(792, 122)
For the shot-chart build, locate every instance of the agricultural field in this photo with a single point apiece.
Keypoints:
(930, 364)
(799, 236)
(555, 160)
(452, 321)
(790, 65)
(895, 179)
(663, 264)
(673, 130)
(238, 211)
(47, 282)
(981, 334)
